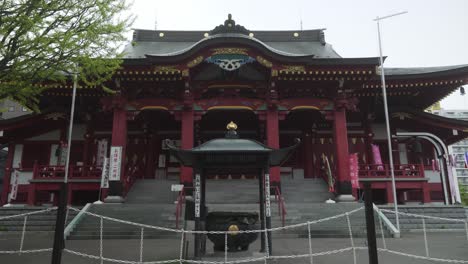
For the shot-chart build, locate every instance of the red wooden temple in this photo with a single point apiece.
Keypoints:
(276, 85)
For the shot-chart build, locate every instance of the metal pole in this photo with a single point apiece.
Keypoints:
(262, 211)
(59, 242)
(268, 209)
(387, 123)
(370, 224)
(197, 196)
(70, 128)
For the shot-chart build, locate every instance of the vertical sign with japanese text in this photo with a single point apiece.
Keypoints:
(197, 195)
(105, 174)
(267, 195)
(14, 186)
(115, 163)
(101, 152)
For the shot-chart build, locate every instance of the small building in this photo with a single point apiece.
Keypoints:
(459, 148)
(276, 85)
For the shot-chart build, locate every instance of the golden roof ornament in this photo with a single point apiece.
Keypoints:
(231, 126)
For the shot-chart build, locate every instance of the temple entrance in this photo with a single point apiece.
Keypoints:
(310, 126)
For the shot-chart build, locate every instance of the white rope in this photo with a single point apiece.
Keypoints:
(29, 213)
(351, 237)
(221, 232)
(383, 233)
(425, 237)
(141, 244)
(100, 240)
(25, 251)
(22, 234)
(181, 248)
(425, 216)
(225, 247)
(310, 243)
(323, 253)
(423, 257)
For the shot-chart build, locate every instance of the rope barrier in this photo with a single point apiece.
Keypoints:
(29, 213)
(182, 259)
(422, 257)
(222, 232)
(425, 216)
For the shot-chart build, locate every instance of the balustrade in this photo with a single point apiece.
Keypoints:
(383, 171)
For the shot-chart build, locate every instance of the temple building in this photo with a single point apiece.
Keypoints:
(275, 85)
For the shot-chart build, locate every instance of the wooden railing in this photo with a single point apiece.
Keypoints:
(58, 172)
(383, 171)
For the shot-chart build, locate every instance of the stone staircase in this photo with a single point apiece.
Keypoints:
(149, 214)
(304, 199)
(151, 202)
(409, 223)
(42, 223)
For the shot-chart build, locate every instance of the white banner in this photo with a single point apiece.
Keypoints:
(63, 155)
(14, 185)
(115, 163)
(105, 174)
(101, 152)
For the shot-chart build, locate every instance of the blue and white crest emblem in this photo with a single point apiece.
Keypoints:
(229, 62)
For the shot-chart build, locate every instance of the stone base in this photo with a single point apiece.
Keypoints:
(345, 198)
(114, 199)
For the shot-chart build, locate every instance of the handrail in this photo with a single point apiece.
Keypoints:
(76, 220)
(180, 201)
(281, 205)
(395, 232)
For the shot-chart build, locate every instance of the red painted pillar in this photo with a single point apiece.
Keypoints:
(119, 139)
(187, 120)
(426, 191)
(340, 138)
(272, 135)
(7, 175)
(389, 191)
(31, 194)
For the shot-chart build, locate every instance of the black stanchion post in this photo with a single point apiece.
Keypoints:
(59, 243)
(370, 224)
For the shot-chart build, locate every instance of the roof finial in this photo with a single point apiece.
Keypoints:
(231, 126)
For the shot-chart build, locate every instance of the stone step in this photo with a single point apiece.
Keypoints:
(42, 222)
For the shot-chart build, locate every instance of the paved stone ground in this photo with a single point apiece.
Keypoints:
(453, 245)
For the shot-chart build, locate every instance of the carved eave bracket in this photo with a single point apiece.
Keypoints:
(114, 102)
(349, 104)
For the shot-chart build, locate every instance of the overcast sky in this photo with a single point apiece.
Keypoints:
(432, 33)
